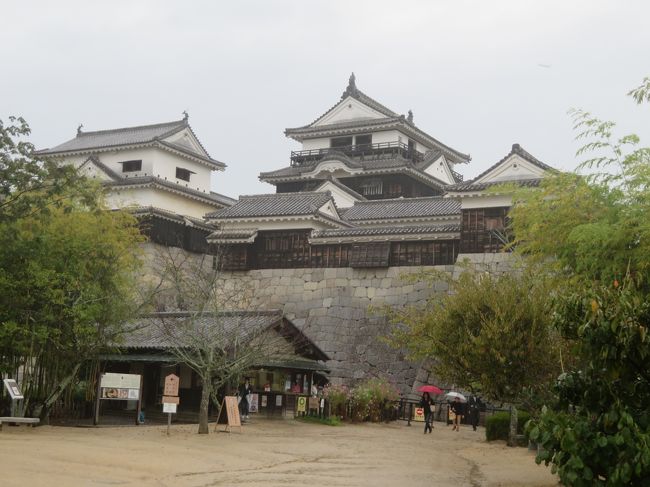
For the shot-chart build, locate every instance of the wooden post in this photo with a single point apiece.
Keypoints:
(97, 394)
(169, 422)
(139, 407)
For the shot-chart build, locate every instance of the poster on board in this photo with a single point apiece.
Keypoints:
(252, 405)
(232, 409)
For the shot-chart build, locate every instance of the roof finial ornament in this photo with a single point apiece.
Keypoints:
(186, 116)
(352, 87)
(409, 118)
(81, 125)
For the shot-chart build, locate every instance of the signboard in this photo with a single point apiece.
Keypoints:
(171, 385)
(120, 394)
(252, 407)
(302, 404)
(278, 400)
(418, 414)
(118, 387)
(264, 400)
(121, 387)
(232, 408)
(314, 402)
(171, 400)
(120, 381)
(12, 388)
(169, 408)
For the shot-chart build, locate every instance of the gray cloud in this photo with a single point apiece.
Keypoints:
(474, 73)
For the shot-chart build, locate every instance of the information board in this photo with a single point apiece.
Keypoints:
(12, 388)
(302, 404)
(418, 414)
(171, 385)
(120, 387)
(232, 409)
(169, 408)
(254, 401)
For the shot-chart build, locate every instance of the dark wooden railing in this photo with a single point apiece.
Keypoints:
(381, 149)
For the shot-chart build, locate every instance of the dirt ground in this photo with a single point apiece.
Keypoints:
(267, 453)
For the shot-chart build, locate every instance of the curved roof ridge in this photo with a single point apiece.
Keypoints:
(516, 149)
(181, 122)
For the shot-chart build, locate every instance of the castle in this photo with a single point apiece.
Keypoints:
(368, 196)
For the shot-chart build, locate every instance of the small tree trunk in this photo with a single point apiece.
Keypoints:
(512, 437)
(46, 406)
(203, 411)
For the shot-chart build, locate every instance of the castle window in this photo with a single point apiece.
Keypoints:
(131, 166)
(340, 142)
(363, 139)
(183, 174)
(372, 187)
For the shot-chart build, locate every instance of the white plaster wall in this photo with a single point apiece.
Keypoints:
(512, 169)
(485, 201)
(439, 170)
(342, 198)
(155, 162)
(185, 137)
(318, 143)
(125, 197)
(349, 109)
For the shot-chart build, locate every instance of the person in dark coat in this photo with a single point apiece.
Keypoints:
(474, 412)
(244, 390)
(457, 408)
(426, 403)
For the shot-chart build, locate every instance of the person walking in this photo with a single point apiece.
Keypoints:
(244, 391)
(457, 409)
(426, 403)
(474, 412)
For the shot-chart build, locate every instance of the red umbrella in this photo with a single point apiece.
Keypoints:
(430, 389)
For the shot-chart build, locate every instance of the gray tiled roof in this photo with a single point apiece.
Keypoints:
(233, 236)
(516, 149)
(151, 331)
(389, 230)
(156, 330)
(386, 164)
(155, 181)
(434, 206)
(117, 137)
(356, 93)
(471, 187)
(170, 215)
(391, 118)
(128, 136)
(275, 204)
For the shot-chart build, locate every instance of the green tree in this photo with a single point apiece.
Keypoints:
(220, 338)
(67, 270)
(491, 334)
(594, 231)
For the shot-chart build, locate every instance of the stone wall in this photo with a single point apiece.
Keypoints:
(337, 309)
(340, 310)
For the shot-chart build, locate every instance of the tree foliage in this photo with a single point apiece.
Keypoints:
(66, 270)
(597, 234)
(598, 431)
(491, 334)
(216, 339)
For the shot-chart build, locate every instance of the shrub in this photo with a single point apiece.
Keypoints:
(370, 398)
(337, 396)
(497, 426)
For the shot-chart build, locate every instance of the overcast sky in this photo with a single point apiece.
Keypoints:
(478, 75)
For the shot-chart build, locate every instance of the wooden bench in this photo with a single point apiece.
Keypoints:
(11, 419)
